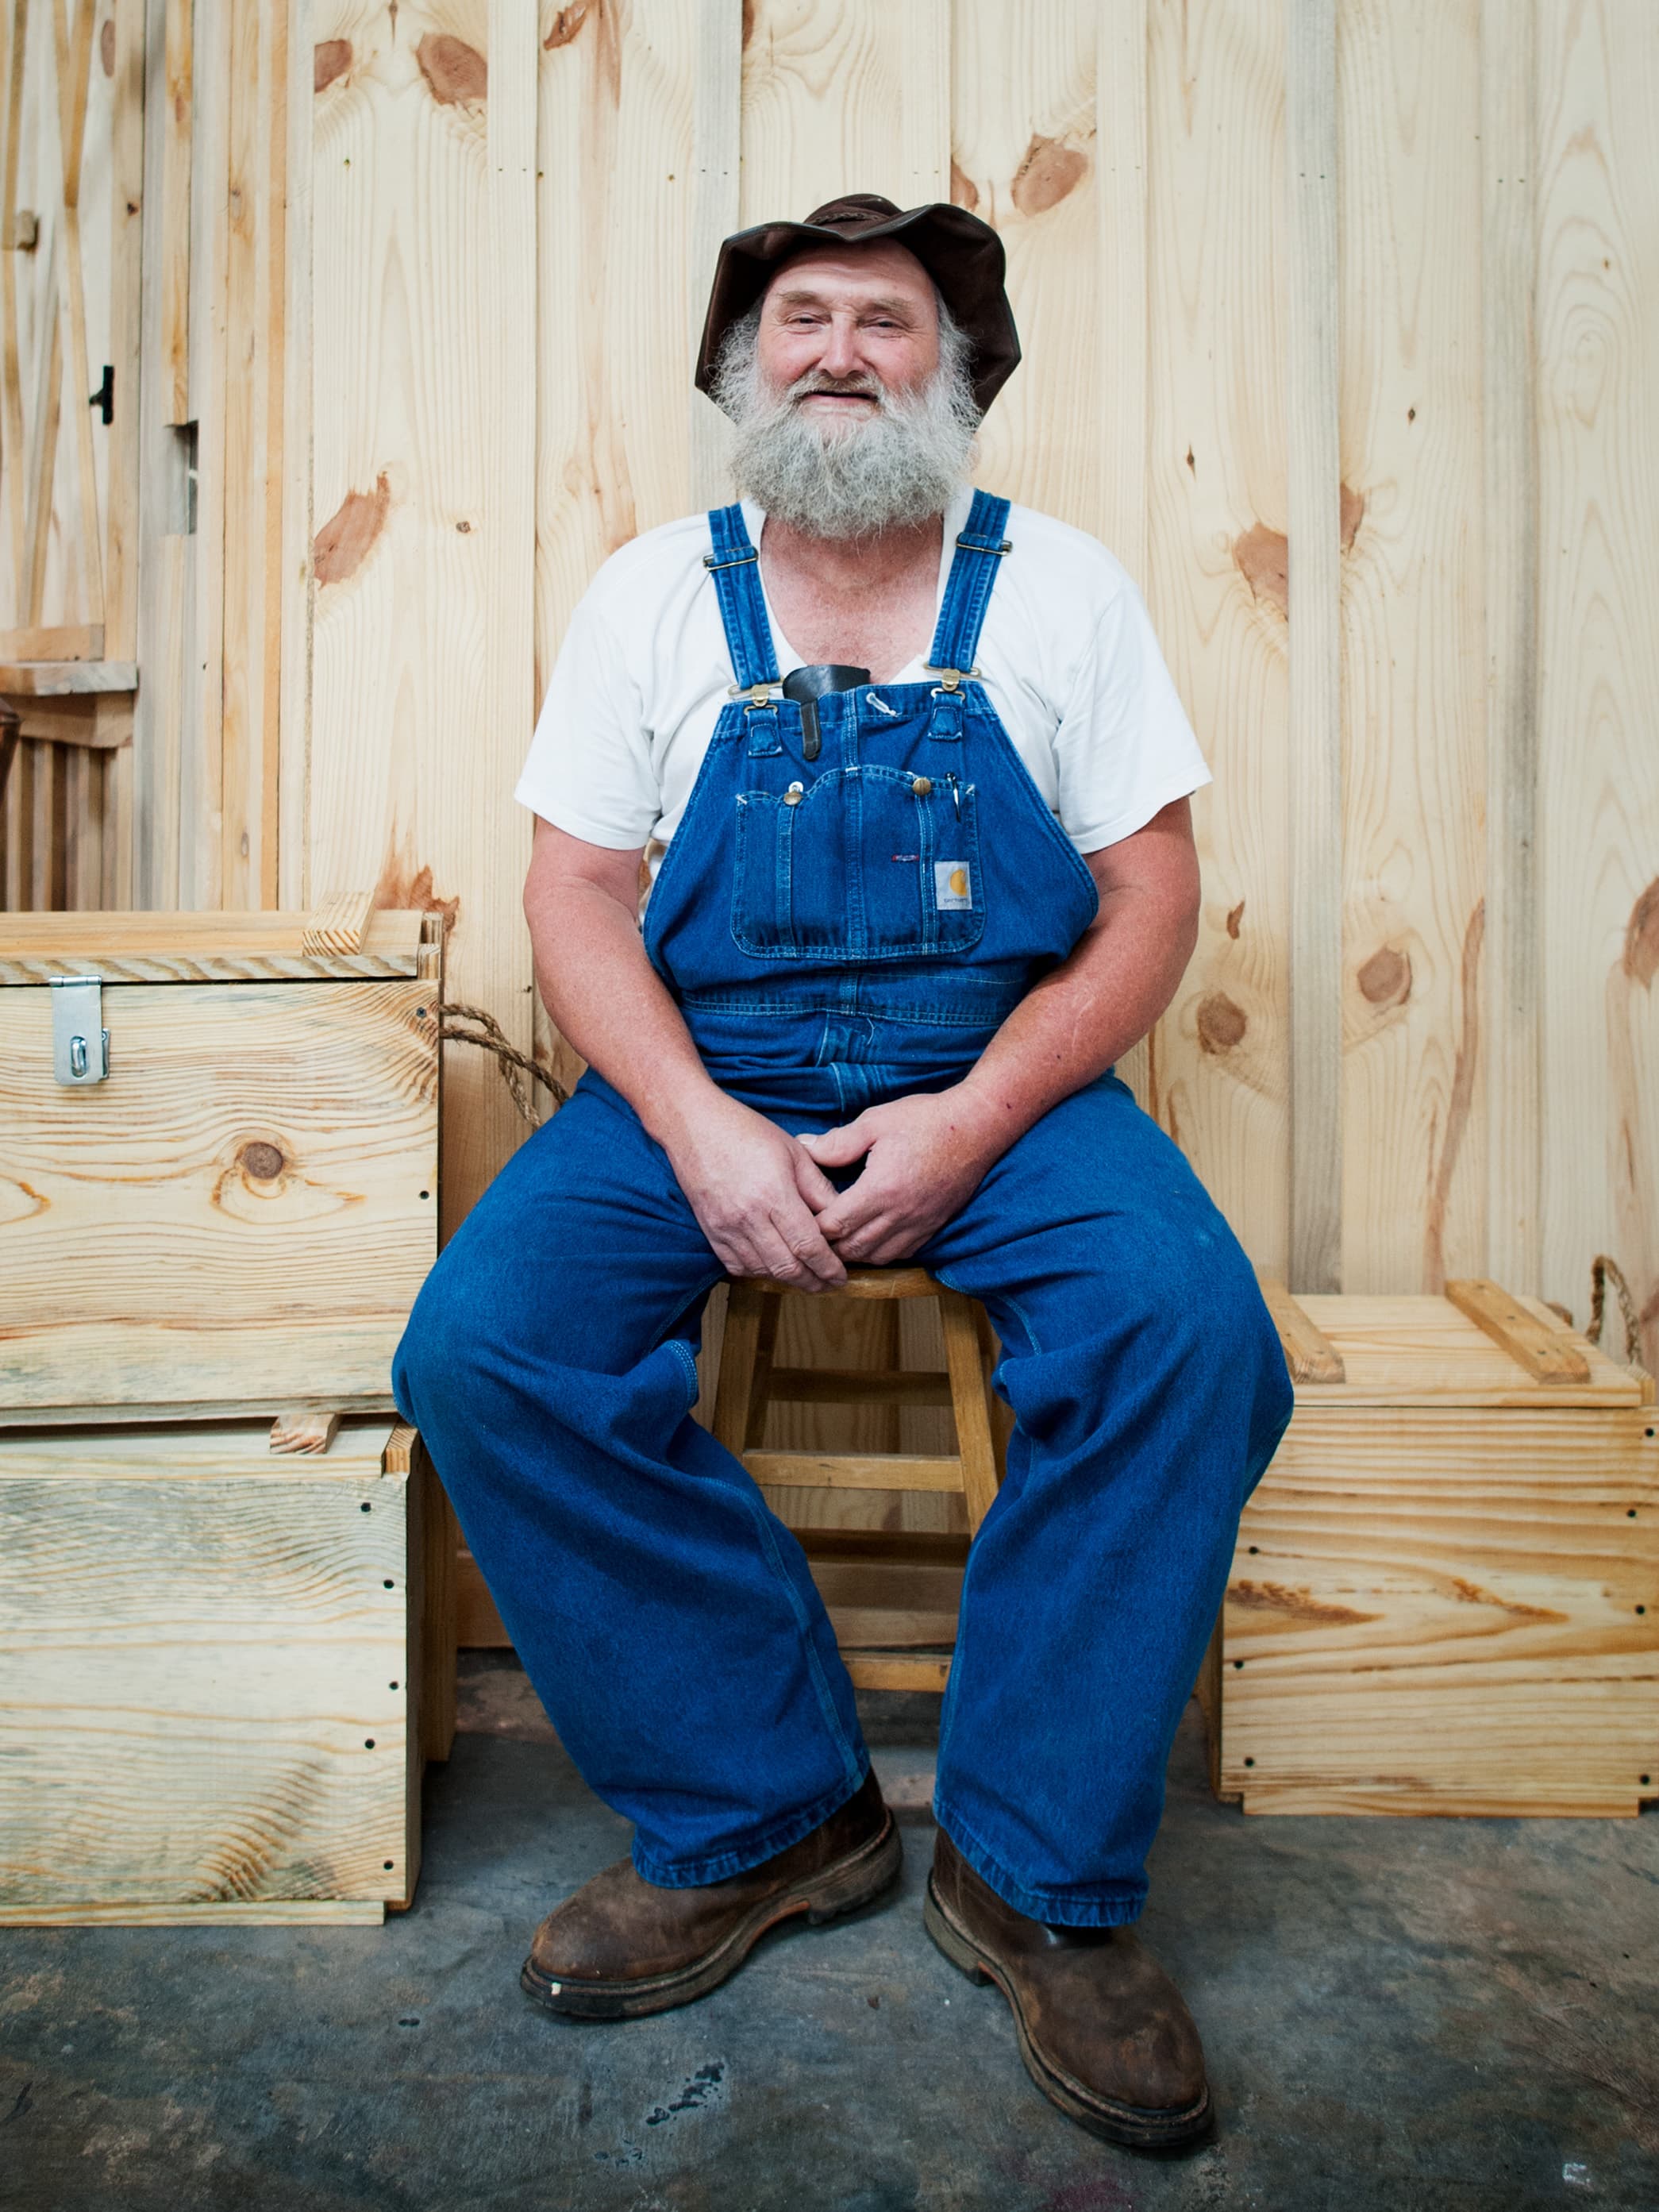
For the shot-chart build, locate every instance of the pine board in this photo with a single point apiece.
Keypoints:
(1451, 1609)
(208, 1688)
(1413, 682)
(1218, 1065)
(1598, 647)
(422, 372)
(143, 1258)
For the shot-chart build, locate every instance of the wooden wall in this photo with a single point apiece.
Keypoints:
(1341, 320)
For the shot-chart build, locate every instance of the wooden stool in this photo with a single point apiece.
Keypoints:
(748, 1383)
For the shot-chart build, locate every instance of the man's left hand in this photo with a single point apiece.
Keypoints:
(924, 1157)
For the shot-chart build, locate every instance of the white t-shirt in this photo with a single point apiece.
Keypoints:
(1068, 657)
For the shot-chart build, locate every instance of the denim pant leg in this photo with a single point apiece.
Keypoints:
(1150, 1393)
(668, 1621)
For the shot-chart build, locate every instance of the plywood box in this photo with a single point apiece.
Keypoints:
(238, 1217)
(1445, 1597)
(223, 1670)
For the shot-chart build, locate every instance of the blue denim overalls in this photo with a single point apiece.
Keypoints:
(838, 930)
(862, 922)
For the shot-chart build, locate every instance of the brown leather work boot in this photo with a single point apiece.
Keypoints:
(622, 1946)
(1102, 2029)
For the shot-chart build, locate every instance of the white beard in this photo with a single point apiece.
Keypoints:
(848, 479)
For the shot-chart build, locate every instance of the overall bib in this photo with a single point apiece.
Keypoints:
(843, 923)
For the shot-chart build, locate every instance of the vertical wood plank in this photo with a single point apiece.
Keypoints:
(1508, 84)
(503, 840)
(293, 679)
(173, 111)
(1598, 343)
(201, 773)
(1314, 729)
(166, 597)
(1216, 1068)
(13, 31)
(715, 151)
(423, 368)
(837, 99)
(618, 137)
(127, 199)
(1413, 674)
(1122, 258)
(255, 348)
(73, 42)
(1024, 155)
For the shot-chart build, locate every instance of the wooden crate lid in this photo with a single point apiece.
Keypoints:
(364, 1448)
(1477, 1345)
(346, 939)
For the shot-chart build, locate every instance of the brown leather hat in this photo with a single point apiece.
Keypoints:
(963, 255)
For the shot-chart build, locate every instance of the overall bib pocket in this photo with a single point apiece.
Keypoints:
(866, 863)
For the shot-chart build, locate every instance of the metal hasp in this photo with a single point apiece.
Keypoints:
(80, 1043)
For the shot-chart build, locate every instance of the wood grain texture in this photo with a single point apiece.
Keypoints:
(206, 948)
(255, 304)
(1598, 346)
(207, 1701)
(1542, 1348)
(1217, 1069)
(53, 679)
(173, 110)
(1447, 1610)
(1024, 153)
(421, 375)
(294, 680)
(843, 95)
(1509, 127)
(1413, 684)
(716, 156)
(1313, 480)
(164, 709)
(854, 1470)
(243, 1209)
(1309, 1353)
(202, 752)
(1423, 1351)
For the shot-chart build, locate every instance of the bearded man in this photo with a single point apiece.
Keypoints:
(899, 934)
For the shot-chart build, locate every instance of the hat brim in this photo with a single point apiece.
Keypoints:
(962, 254)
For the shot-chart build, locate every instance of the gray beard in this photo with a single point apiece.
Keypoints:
(899, 467)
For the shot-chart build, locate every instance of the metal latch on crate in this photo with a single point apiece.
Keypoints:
(80, 1043)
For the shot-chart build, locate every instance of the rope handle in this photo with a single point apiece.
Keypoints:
(1603, 1270)
(458, 1023)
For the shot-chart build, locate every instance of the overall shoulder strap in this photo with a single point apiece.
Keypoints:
(735, 566)
(981, 550)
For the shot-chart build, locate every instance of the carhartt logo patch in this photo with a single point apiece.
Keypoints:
(951, 887)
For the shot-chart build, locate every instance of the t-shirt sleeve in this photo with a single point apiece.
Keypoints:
(589, 770)
(1124, 747)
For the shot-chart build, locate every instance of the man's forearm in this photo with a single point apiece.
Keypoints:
(606, 998)
(1085, 1013)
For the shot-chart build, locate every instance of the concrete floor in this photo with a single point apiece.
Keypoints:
(1399, 2014)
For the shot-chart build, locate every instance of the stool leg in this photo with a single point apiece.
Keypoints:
(1002, 1416)
(979, 1465)
(739, 1350)
(766, 1344)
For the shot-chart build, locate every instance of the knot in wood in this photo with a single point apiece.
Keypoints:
(264, 1162)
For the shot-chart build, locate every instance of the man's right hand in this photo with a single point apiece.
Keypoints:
(756, 1194)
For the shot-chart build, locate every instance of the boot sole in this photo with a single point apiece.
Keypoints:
(1132, 2125)
(850, 1883)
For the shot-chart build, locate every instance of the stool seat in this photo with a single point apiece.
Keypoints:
(749, 1381)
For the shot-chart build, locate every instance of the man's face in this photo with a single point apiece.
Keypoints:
(838, 325)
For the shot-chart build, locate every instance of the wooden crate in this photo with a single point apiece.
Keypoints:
(223, 1672)
(1445, 1597)
(239, 1215)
